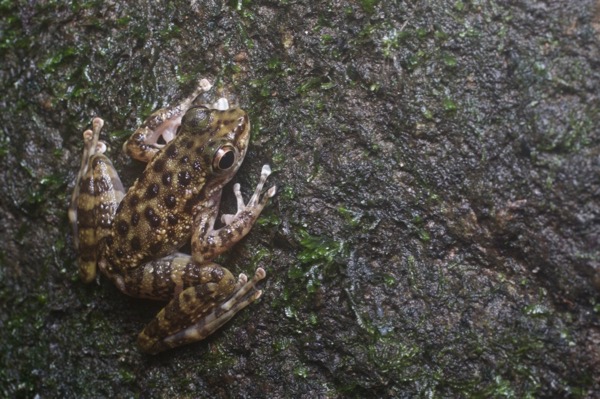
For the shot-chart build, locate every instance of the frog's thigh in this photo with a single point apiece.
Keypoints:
(199, 310)
(100, 192)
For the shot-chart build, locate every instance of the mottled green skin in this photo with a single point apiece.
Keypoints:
(133, 238)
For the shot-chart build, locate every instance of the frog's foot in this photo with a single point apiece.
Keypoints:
(161, 127)
(192, 316)
(215, 242)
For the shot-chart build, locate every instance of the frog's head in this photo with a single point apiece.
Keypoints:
(222, 136)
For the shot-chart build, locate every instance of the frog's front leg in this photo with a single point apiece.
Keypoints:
(207, 243)
(144, 142)
(97, 193)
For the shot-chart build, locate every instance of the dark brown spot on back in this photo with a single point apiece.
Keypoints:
(135, 243)
(170, 201)
(155, 248)
(122, 227)
(184, 178)
(134, 200)
(159, 165)
(166, 178)
(197, 165)
(172, 151)
(152, 190)
(135, 219)
(152, 217)
(185, 159)
(172, 220)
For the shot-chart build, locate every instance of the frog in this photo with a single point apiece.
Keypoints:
(135, 237)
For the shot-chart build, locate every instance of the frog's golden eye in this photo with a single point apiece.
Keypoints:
(224, 158)
(196, 118)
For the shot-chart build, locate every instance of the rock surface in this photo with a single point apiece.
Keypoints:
(436, 231)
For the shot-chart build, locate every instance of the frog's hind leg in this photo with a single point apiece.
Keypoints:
(90, 146)
(199, 310)
(97, 193)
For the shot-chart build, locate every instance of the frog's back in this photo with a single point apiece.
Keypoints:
(156, 216)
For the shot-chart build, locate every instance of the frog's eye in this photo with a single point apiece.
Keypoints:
(224, 158)
(196, 118)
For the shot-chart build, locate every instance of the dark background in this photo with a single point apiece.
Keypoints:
(436, 230)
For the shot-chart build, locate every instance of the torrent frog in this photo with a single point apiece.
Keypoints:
(134, 237)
